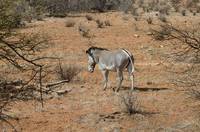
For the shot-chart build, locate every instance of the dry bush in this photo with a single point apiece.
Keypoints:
(107, 23)
(67, 72)
(100, 24)
(129, 102)
(186, 48)
(23, 53)
(162, 33)
(183, 12)
(191, 3)
(176, 4)
(162, 18)
(70, 23)
(149, 20)
(89, 17)
(84, 31)
(57, 8)
(194, 93)
(164, 8)
(8, 16)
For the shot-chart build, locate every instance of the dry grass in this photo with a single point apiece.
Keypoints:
(129, 102)
(89, 17)
(149, 20)
(107, 23)
(70, 23)
(84, 31)
(100, 24)
(67, 72)
(162, 18)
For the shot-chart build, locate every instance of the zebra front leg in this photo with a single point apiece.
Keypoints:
(119, 79)
(132, 81)
(105, 76)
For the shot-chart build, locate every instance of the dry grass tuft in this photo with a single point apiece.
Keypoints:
(107, 23)
(149, 20)
(70, 23)
(89, 18)
(100, 24)
(67, 72)
(129, 103)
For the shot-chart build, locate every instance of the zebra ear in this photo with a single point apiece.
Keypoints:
(86, 52)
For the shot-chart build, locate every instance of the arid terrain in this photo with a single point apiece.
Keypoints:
(161, 105)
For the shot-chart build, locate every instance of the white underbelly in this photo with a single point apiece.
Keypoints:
(105, 67)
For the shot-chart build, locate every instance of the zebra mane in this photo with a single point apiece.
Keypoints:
(95, 48)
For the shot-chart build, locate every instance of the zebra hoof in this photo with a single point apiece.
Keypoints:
(113, 89)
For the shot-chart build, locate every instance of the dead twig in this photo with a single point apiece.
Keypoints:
(56, 83)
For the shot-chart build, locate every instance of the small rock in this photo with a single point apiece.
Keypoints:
(61, 92)
(136, 35)
(149, 33)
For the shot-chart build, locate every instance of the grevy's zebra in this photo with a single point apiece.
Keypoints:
(107, 60)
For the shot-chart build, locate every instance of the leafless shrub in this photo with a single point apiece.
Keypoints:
(100, 24)
(84, 31)
(70, 23)
(161, 34)
(89, 17)
(164, 8)
(194, 93)
(22, 51)
(188, 37)
(149, 20)
(176, 4)
(129, 102)
(186, 48)
(67, 72)
(107, 23)
(162, 18)
(191, 3)
(183, 12)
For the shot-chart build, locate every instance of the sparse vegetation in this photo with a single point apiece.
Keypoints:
(70, 23)
(162, 18)
(107, 23)
(188, 41)
(100, 24)
(83, 104)
(67, 72)
(84, 31)
(129, 102)
(149, 20)
(89, 17)
(183, 12)
(162, 34)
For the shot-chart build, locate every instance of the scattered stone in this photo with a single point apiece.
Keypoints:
(61, 92)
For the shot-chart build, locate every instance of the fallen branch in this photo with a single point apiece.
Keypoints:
(56, 83)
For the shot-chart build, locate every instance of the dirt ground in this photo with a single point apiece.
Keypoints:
(162, 106)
